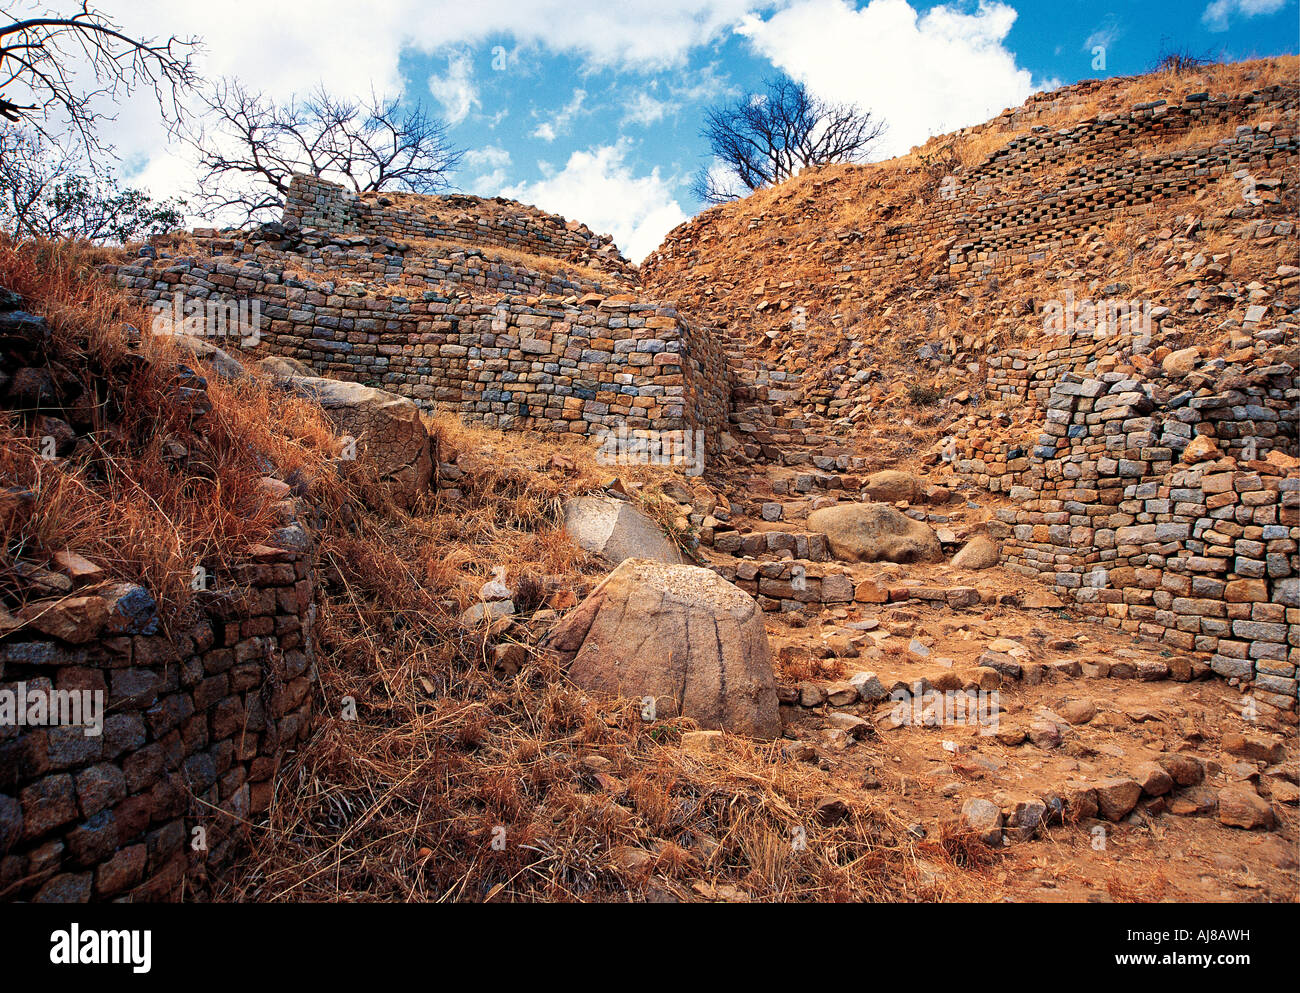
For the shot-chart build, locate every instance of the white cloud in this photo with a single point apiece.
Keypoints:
(922, 75)
(559, 124)
(492, 156)
(1219, 14)
(703, 84)
(491, 161)
(355, 48)
(643, 109)
(1104, 35)
(456, 90)
(598, 187)
(349, 41)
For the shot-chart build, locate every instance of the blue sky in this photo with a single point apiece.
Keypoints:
(592, 109)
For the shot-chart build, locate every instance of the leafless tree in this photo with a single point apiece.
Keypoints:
(249, 147)
(47, 191)
(1177, 61)
(27, 174)
(768, 136)
(44, 54)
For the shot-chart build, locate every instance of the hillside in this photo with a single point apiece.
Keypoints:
(914, 276)
(423, 548)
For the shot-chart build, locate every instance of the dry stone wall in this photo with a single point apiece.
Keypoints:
(998, 215)
(987, 226)
(317, 203)
(560, 364)
(572, 351)
(196, 723)
(1129, 523)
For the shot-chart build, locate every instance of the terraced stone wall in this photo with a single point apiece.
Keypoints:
(317, 203)
(571, 363)
(195, 724)
(1199, 553)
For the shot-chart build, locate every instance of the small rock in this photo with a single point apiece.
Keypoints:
(811, 695)
(486, 611)
(1078, 712)
(1244, 809)
(981, 552)
(983, 819)
(841, 694)
(701, 742)
(1117, 797)
(1155, 780)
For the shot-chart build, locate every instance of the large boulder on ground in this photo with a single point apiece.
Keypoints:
(874, 532)
(282, 365)
(890, 486)
(218, 360)
(385, 428)
(614, 530)
(680, 634)
(981, 552)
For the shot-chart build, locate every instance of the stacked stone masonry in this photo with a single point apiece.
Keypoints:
(1202, 555)
(317, 203)
(994, 216)
(572, 351)
(196, 723)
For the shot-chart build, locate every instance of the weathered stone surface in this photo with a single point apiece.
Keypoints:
(702, 742)
(75, 619)
(869, 687)
(283, 365)
(984, 819)
(1154, 779)
(384, 427)
(1078, 711)
(1255, 747)
(220, 361)
(1117, 797)
(872, 532)
(1239, 807)
(1185, 770)
(1025, 815)
(981, 552)
(1182, 361)
(680, 634)
(891, 486)
(1201, 449)
(615, 530)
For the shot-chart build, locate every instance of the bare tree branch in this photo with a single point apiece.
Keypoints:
(249, 147)
(41, 57)
(46, 193)
(767, 137)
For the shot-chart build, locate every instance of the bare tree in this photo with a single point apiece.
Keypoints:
(27, 173)
(766, 137)
(46, 192)
(1178, 61)
(249, 147)
(42, 55)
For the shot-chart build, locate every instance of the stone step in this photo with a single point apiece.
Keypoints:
(811, 546)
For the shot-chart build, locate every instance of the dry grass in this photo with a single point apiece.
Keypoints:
(118, 498)
(429, 743)
(449, 751)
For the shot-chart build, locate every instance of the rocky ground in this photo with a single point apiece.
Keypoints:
(971, 702)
